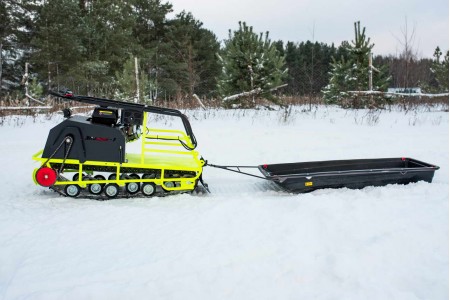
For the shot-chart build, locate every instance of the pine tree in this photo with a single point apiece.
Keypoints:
(440, 70)
(250, 61)
(178, 64)
(293, 64)
(5, 33)
(149, 29)
(107, 40)
(194, 48)
(56, 43)
(352, 74)
(308, 67)
(16, 28)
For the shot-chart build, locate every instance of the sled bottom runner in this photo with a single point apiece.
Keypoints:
(305, 177)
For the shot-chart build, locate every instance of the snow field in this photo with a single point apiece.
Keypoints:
(246, 240)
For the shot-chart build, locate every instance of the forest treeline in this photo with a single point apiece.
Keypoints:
(92, 46)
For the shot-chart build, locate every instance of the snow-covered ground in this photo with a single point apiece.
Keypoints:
(246, 240)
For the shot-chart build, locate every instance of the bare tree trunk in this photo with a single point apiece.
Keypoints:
(136, 71)
(370, 72)
(25, 83)
(82, 4)
(199, 101)
(312, 68)
(25, 78)
(251, 84)
(191, 71)
(49, 77)
(409, 54)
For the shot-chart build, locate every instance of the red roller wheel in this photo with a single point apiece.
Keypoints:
(46, 176)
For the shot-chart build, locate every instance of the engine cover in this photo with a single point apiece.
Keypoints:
(91, 141)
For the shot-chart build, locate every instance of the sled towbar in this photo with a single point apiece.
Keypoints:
(237, 169)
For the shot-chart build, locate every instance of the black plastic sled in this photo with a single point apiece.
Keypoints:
(305, 177)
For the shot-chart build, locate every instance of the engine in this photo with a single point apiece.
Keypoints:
(101, 137)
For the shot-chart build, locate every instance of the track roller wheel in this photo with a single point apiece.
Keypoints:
(168, 184)
(111, 190)
(132, 187)
(72, 190)
(76, 176)
(96, 188)
(148, 188)
(100, 177)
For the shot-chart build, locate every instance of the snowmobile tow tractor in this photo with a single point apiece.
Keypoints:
(87, 156)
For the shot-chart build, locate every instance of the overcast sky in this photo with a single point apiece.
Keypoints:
(330, 21)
